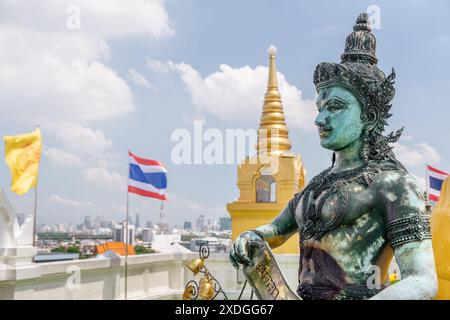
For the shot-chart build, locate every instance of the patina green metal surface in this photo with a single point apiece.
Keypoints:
(265, 276)
(365, 207)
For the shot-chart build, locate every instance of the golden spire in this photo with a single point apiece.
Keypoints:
(273, 133)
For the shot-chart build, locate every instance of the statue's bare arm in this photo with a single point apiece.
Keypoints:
(402, 199)
(419, 281)
(275, 233)
(280, 229)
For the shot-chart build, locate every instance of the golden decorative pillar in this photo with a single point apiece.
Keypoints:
(268, 180)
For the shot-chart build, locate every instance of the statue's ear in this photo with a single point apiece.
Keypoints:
(372, 118)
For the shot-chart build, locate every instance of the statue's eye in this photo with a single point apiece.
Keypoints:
(334, 106)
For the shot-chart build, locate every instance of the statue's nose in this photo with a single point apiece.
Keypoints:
(321, 119)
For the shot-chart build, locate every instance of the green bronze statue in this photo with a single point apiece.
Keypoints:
(364, 209)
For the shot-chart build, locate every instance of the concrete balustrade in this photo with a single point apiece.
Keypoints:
(150, 276)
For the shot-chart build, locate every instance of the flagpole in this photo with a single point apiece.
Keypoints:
(427, 182)
(127, 235)
(35, 207)
(34, 215)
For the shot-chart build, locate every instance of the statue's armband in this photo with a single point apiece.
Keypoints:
(415, 227)
(404, 208)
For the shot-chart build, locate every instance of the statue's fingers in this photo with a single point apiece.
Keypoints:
(236, 256)
(232, 260)
(242, 252)
(254, 246)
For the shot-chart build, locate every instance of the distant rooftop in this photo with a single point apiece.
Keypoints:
(55, 256)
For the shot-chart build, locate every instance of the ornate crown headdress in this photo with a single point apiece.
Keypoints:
(359, 73)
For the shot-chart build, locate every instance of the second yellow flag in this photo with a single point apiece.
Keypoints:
(22, 155)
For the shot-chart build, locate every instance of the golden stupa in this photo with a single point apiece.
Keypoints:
(269, 179)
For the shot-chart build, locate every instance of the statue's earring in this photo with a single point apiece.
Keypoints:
(333, 159)
(365, 145)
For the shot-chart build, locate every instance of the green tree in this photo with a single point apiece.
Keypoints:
(143, 250)
(73, 249)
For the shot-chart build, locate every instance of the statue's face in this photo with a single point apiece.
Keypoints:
(339, 120)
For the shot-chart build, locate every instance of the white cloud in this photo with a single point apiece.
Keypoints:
(62, 158)
(105, 177)
(159, 66)
(238, 93)
(60, 78)
(103, 18)
(416, 154)
(57, 76)
(78, 138)
(141, 80)
(421, 181)
(57, 199)
(50, 72)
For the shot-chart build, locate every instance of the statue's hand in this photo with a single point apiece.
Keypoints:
(241, 248)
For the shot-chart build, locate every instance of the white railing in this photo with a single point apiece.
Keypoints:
(149, 276)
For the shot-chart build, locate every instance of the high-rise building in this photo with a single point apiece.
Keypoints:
(225, 223)
(149, 224)
(98, 221)
(200, 223)
(137, 222)
(147, 235)
(206, 224)
(87, 222)
(187, 225)
(269, 179)
(119, 233)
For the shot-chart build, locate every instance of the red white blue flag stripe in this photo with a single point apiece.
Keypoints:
(147, 178)
(435, 179)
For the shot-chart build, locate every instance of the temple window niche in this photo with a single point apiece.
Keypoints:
(266, 189)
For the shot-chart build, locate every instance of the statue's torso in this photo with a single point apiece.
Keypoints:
(342, 235)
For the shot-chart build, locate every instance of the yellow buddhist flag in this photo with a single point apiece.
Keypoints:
(22, 155)
(440, 235)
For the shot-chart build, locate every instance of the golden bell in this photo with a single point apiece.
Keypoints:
(206, 291)
(393, 278)
(188, 292)
(195, 265)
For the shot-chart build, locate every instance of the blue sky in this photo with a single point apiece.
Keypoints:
(135, 71)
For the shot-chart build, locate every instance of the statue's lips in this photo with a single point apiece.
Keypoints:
(324, 132)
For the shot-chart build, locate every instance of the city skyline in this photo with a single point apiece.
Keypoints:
(99, 222)
(113, 84)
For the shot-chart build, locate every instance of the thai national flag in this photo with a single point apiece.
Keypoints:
(435, 179)
(147, 177)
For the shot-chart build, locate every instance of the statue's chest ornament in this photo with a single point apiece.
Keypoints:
(330, 190)
(315, 223)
